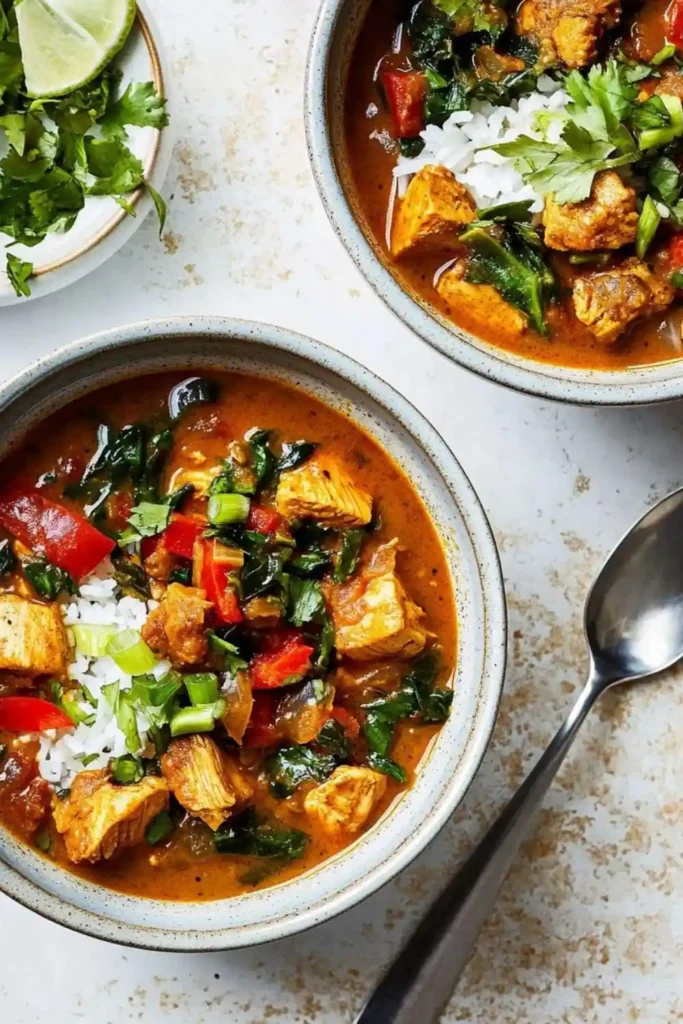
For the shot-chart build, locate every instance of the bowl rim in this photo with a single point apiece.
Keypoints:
(639, 386)
(58, 909)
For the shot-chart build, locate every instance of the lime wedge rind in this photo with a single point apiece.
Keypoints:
(67, 43)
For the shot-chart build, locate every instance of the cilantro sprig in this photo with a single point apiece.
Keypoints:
(60, 151)
(607, 126)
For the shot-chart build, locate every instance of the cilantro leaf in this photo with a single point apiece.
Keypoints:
(115, 167)
(474, 16)
(141, 105)
(146, 520)
(14, 126)
(18, 273)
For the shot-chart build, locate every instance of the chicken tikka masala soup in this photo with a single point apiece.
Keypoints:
(518, 167)
(227, 635)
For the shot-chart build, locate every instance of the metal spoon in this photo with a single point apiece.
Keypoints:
(633, 623)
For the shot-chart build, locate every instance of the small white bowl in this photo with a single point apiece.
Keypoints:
(332, 44)
(102, 227)
(449, 765)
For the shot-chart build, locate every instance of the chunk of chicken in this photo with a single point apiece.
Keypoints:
(200, 479)
(345, 801)
(32, 637)
(323, 490)
(203, 779)
(432, 213)
(177, 628)
(373, 616)
(608, 302)
(481, 303)
(567, 31)
(99, 818)
(608, 219)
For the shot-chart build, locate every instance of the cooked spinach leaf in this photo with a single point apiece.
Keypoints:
(513, 263)
(333, 739)
(291, 766)
(262, 458)
(249, 833)
(131, 577)
(310, 563)
(8, 561)
(48, 580)
(190, 393)
(305, 601)
(159, 828)
(387, 767)
(294, 454)
(349, 554)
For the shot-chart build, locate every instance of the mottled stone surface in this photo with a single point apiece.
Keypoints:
(589, 929)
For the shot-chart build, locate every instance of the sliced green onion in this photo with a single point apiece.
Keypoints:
(131, 653)
(92, 641)
(663, 54)
(202, 688)
(159, 828)
(126, 770)
(647, 226)
(196, 719)
(228, 508)
(652, 137)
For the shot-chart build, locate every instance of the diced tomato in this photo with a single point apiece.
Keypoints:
(181, 533)
(348, 722)
(676, 249)
(285, 660)
(263, 520)
(262, 730)
(64, 538)
(675, 19)
(215, 580)
(31, 714)
(405, 92)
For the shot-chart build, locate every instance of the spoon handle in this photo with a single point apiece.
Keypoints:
(419, 983)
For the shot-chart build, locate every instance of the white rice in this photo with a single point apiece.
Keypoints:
(461, 145)
(61, 754)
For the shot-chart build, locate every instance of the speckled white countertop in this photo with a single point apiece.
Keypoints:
(590, 924)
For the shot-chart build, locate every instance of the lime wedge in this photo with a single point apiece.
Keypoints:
(66, 43)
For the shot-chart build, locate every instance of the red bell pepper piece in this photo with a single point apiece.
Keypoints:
(348, 722)
(181, 533)
(285, 660)
(405, 92)
(31, 714)
(262, 730)
(675, 19)
(62, 537)
(215, 580)
(676, 249)
(263, 520)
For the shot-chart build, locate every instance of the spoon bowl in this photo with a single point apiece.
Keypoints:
(634, 611)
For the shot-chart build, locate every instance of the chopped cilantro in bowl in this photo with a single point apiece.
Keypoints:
(56, 152)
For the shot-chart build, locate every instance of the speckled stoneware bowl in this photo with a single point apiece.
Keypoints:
(336, 30)
(449, 765)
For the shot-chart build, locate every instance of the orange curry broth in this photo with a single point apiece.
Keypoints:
(171, 871)
(371, 164)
